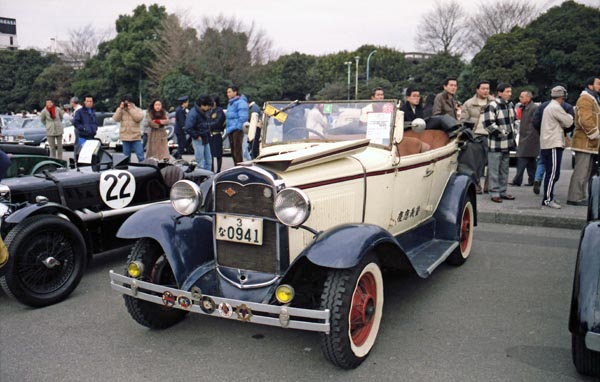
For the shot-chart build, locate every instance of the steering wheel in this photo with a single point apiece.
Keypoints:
(320, 135)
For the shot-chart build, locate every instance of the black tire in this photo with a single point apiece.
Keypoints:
(157, 271)
(587, 362)
(465, 235)
(48, 260)
(355, 294)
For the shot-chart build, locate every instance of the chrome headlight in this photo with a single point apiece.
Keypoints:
(292, 207)
(186, 197)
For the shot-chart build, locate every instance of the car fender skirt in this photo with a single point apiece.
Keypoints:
(186, 240)
(344, 246)
(585, 306)
(449, 210)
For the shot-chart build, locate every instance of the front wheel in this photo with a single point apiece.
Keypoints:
(157, 271)
(587, 362)
(354, 298)
(49, 257)
(465, 235)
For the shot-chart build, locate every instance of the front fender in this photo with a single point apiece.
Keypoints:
(585, 302)
(186, 240)
(344, 246)
(594, 202)
(448, 213)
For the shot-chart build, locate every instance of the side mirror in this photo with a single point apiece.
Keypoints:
(253, 126)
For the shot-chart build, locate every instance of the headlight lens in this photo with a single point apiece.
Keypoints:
(186, 197)
(135, 269)
(284, 293)
(292, 207)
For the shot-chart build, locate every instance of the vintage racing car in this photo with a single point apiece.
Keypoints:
(29, 160)
(584, 320)
(298, 237)
(53, 222)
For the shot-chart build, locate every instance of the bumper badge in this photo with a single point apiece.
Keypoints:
(196, 293)
(243, 313)
(168, 299)
(230, 192)
(184, 302)
(225, 310)
(207, 305)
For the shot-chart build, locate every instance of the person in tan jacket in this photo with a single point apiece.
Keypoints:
(130, 132)
(585, 140)
(51, 116)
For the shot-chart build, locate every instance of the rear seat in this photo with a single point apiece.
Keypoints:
(415, 143)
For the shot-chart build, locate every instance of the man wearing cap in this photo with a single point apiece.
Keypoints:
(180, 116)
(585, 140)
(552, 142)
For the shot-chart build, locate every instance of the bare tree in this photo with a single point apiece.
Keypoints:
(259, 44)
(177, 48)
(498, 17)
(442, 28)
(83, 43)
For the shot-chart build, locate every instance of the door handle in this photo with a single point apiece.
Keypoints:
(428, 172)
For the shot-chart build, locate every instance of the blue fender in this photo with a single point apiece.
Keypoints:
(449, 210)
(585, 306)
(344, 246)
(594, 201)
(186, 240)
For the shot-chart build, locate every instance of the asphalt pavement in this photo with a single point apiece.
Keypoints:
(527, 208)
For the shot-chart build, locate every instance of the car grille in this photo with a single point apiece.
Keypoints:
(250, 199)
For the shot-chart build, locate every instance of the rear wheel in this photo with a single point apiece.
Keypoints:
(48, 260)
(157, 271)
(354, 298)
(587, 362)
(465, 235)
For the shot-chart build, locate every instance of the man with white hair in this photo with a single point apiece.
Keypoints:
(552, 142)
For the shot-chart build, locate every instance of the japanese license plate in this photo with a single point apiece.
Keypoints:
(239, 229)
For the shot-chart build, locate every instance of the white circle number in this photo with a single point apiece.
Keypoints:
(117, 188)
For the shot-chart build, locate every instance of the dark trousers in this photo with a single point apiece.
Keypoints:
(182, 143)
(552, 159)
(236, 139)
(523, 163)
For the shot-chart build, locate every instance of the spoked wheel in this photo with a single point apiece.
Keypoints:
(49, 257)
(465, 235)
(355, 300)
(157, 271)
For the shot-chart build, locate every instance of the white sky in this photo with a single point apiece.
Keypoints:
(307, 26)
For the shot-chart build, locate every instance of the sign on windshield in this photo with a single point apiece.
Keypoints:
(329, 121)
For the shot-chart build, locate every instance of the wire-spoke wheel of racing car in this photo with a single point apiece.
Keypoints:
(355, 299)
(157, 270)
(465, 235)
(587, 362)
(49, 257)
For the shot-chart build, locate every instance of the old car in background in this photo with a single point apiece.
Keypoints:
(584, 320)
(298, 237)
(52, 222)
(108, 133)
(30, 131)
(29, 160)
(68, 138)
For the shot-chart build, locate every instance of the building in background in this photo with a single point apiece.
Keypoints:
(8, 33)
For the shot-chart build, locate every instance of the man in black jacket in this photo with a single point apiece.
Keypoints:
(412, 107)
(180, 116)
(197, 125)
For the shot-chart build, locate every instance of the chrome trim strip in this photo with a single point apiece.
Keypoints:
(260, 312)
(592, 341)
(87, 215)
(243, 286)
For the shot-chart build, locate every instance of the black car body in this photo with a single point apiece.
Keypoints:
(53, 222)
(584, 320)
(29, 160)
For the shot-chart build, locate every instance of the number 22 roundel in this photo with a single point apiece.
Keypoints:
(117, 188)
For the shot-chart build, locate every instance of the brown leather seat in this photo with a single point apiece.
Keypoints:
(411, 146)
(434, 138)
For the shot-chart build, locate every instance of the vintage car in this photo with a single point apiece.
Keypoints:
(29, 160)
(584, 320)
(52, 222)
(298, 237)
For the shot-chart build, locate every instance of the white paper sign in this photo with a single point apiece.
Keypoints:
(378, 127)
(87, 151)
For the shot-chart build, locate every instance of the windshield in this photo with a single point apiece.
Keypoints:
(329, 121)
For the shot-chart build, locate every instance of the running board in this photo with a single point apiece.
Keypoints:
(428, 256)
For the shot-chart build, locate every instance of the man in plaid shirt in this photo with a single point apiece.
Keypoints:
(499, 121)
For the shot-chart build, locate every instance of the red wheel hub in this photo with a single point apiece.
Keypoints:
(362, 313)
(465, 230)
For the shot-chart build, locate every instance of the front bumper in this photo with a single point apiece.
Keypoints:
(264, 314)
(592, 341)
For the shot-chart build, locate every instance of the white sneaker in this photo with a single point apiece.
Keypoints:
(552, 204)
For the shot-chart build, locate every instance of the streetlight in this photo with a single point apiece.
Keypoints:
(369, 59)
(356, 82)
(348, 63)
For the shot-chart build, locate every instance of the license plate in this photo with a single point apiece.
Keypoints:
(239, 229)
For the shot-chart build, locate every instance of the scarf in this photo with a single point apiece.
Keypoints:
(52, 112)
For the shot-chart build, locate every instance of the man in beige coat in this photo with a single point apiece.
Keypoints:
(130, 132)
(51, 116)
(585, 140)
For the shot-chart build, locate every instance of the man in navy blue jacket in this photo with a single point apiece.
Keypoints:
(197, 125)
(85, 120)
(180, 116)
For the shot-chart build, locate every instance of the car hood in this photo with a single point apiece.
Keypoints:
(294, 157)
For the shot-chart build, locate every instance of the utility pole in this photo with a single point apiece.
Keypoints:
(348, 63)
(368, 60)
(356, 82)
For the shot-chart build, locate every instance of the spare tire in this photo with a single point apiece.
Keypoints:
(23, 149)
